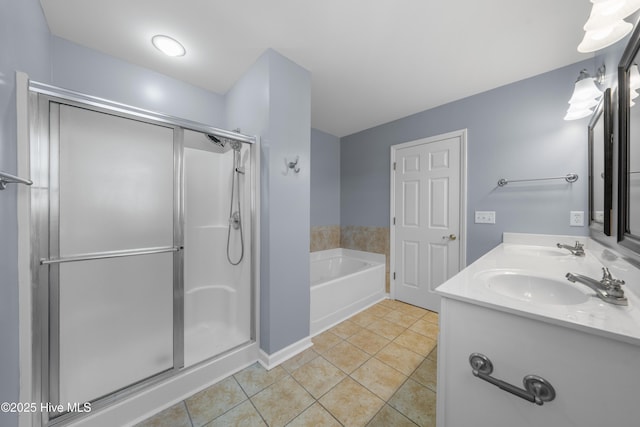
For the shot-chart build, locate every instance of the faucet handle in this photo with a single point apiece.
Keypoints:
(609, 280)
(579, 245)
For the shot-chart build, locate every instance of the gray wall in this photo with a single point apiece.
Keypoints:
(325, 178)
(85, 70)
(515, 131)
(24, 45)
(273, 100)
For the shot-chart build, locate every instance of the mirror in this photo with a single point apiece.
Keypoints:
(629, 151)
(600, 134)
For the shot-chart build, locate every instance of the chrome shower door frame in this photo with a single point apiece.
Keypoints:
(45, 264)
(44, 101)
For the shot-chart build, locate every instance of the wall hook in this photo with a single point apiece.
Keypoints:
(292, 165)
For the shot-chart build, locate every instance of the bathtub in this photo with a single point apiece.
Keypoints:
(343, 282)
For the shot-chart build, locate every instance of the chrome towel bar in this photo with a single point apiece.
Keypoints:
(536, 389)
(7, 178)
(570, 177)
(112, 254)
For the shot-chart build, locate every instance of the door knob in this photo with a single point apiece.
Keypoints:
(449, 237)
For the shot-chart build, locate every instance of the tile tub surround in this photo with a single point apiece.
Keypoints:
(325, 237)
(368, 239)
(377, 368)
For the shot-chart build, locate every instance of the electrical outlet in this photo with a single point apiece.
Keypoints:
(576, 218)
(485, 217)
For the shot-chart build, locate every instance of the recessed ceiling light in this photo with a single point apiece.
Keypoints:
(168, 46)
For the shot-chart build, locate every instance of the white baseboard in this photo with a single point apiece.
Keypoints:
(270, 361)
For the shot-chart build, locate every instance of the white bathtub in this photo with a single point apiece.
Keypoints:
(343, 282)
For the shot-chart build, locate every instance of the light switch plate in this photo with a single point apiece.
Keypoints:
(576, 218)
(485, 217)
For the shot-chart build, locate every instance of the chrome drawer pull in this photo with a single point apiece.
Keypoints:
(536, 389)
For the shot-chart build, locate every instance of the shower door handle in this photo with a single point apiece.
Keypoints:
(111, 254)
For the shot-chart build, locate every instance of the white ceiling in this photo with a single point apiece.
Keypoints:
(372, 61)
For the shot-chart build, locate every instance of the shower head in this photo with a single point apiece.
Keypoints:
(236, 145)
(222, 145)
(214, 139)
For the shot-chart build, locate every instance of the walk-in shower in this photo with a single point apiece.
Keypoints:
(144, 261)
(216, 198)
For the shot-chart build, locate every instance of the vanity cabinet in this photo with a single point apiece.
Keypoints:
(596, 378)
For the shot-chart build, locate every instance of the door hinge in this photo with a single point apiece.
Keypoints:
(394, 165)
(394, 275)
(394, 220)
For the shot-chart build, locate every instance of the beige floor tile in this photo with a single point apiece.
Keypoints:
(243, 415)
(400, 358)
(416, 402)
(412, 310)
(299, 359)
(325, 341)
(315, 416)
(378, 310)
(426, 374)
(379, 378)
(363, 319)
(386, 328)
(426, 328)
(351, 403)
(318, 376)
(175, 416)
(401, 318)
(346, 356)
(391, 304)
(431, 317)
(256, 378)
(345, 329)
(416, 342)
(214, 401)
(282, 401)
(434, 354)
(389, 417)
(368, 341)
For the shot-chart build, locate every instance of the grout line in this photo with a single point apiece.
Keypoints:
(186, 408)
(347, 375)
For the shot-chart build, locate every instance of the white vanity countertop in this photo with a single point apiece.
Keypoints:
(538, 256)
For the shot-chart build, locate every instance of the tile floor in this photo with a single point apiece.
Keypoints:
(377, 368)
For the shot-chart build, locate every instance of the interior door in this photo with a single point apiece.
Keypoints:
(427, 185)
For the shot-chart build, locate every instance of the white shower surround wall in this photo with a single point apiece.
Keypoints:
(343, 282)
(217, 297)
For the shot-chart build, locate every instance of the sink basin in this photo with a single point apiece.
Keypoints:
(528, 287)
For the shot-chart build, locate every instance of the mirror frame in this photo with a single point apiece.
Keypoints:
(625, 238)
(602, 112)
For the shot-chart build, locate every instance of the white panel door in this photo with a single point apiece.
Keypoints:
(427, 209)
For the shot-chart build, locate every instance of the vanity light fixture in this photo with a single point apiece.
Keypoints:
(168, 45)
(606, 24)
(586, 95)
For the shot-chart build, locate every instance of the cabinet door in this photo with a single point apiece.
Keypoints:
(595, 378)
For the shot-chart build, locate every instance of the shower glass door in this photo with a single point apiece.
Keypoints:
(111, 252)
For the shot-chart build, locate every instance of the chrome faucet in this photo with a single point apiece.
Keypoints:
(608, 289)
(577, 250)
